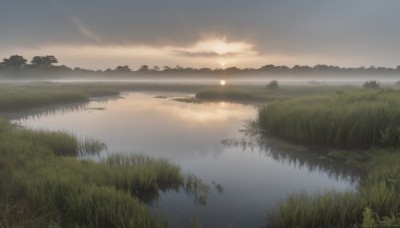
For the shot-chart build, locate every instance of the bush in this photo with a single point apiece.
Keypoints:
(373, 84)
(272, 85)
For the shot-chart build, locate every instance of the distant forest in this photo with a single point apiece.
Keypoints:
(18, 66)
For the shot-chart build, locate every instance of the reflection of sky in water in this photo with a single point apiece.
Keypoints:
(190, 135)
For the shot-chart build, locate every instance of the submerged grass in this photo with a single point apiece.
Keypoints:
(42, 183)
(357, 119)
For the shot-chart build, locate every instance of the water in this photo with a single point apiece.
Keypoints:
(253, 178)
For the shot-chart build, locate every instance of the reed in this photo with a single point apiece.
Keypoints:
(42, 183)
(358, 119)
(377, 201)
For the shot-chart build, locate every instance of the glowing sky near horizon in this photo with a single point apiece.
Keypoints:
(103, 34)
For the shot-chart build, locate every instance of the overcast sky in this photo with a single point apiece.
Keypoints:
(203, 33)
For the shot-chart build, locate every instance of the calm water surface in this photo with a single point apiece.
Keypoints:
(253, 178)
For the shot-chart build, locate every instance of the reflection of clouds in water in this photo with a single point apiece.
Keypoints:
(140, 123)
(174, 129)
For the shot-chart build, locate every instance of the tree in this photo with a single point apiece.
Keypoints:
(156, 68)
(302, 69)
(272, 85)
(44, 61)
(144, 68)
(123, 69)
(14, 62)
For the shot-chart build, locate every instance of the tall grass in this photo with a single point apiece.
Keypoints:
(18, 100)
(61, 143)
(42, 183)
(378, 194)
(351, 119)
(15, 97)
(21, 96)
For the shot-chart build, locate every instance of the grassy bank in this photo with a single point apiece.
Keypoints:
(351, 119)
(23, 96)
(376, 203)
(43, 183)
(259, 93)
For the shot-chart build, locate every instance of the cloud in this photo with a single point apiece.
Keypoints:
(84, 30)
(216, 47)
(204, 54)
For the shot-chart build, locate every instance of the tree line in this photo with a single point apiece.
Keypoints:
(18, 65)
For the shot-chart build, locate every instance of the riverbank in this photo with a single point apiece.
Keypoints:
(353, 119)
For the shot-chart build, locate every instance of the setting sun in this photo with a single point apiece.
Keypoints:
(222, 82)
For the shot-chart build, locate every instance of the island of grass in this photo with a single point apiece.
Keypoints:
(368, 120)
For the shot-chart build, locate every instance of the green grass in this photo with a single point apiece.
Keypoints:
(258, 93)
(43, 183)
(357, 119)
(23, 96)
(377, 201)
(351, 119)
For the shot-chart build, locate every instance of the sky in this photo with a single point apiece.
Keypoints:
(100, 34)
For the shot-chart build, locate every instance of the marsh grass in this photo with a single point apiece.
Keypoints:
(329, 209)
(43, 183)
(19, 100)
(62, 143)
(257, 93)
(377, 201)
(16, 97)
(357, 119)
(23, 96)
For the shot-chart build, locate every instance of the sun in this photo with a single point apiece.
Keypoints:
(222, 82)
(222, 64)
